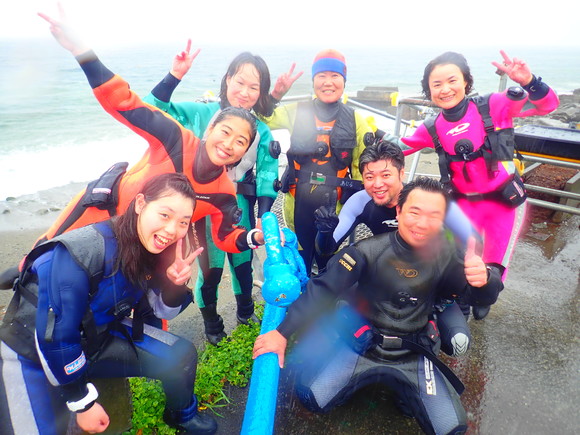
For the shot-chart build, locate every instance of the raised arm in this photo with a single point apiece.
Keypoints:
(541, 95)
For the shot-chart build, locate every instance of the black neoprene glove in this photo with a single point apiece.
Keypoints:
(326, 219)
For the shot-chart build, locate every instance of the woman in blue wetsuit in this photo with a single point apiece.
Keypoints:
(68, 320)
(246, 84)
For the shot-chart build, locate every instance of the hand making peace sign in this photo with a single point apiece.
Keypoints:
(180, 271)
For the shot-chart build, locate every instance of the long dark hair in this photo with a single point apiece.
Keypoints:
(134, 261)
(447, 58)
(264, 106)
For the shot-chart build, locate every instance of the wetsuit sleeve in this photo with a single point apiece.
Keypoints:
(164, 135)
(163, 91)
(225, 234)
(349, 216)
(266, 171)
(543, 98)
(453, 283)
(419, 140)
(160, 309)
(194, 116)
(342, 272)
(362, 128)
(282, 118)
(392, 139)
(63, 298)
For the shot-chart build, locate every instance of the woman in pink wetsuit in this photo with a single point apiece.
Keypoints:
(474, 141)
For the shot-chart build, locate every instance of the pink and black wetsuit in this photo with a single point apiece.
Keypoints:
(480, 175)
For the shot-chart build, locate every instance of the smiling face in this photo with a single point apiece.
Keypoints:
(163, 221)
(243, 88)
(383, 182)
(421, 217)
(328, 86)
(447, 86)
(227, 141)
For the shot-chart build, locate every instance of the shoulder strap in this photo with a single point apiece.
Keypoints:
(87, 250)
(443, 159)
(482, 104)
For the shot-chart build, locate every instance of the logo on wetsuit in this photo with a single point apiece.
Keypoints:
(430, 385)
(391, 223)
(458, 129)
(347, 261)
(407, 273)
(76, 365)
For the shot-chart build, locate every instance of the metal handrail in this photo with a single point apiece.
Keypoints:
(415, 163)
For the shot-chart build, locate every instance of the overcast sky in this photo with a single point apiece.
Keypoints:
(298, 22)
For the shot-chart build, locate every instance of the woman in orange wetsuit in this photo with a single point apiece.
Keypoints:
(172, 148)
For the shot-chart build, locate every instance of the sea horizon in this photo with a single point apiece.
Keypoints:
(55, 133)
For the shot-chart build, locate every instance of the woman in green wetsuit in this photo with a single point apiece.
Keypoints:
(246, 84)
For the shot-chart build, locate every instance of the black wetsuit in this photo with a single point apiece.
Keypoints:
(395, 288)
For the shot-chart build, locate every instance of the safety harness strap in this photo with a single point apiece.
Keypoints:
(441, 153)
(317, 178)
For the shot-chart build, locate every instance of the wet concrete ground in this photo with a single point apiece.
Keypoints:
(522, 375)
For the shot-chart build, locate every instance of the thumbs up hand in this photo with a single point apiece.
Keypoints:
(475, 269)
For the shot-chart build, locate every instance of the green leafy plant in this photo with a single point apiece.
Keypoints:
(230, 362)
(148, 401)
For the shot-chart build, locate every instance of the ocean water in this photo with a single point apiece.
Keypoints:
(53, 132)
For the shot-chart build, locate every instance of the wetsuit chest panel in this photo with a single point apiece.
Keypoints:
(379, 219)
(340, 134)
(400, 285)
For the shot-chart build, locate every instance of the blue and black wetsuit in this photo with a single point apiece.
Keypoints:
(67, 323)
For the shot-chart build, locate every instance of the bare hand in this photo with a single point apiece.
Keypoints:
(475, 269)
(273, 342)
(515, 68)
(64, 34)
(285, 82)
(94, 420)
(259, 236)
(180, 271)
(182, 61)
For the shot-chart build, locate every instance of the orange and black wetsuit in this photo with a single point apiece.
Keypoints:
(172, 148)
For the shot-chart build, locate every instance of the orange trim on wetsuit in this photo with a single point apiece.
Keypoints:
(172, 148)
(342, 173)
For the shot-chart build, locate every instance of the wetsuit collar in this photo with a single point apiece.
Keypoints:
(456, 113)
(204, 170)
(326, 112)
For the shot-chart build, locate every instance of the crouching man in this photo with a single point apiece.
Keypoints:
(386, 334)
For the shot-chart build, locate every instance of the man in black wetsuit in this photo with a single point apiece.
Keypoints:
(382, 166)
(393, 280)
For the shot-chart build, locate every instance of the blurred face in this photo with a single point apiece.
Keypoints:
(447, 86)
(328, 86)
(227, 141)
(243, 88)
(421, 217)
(383, 182)
(164, 221)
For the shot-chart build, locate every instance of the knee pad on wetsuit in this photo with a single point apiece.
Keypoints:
(455, 334)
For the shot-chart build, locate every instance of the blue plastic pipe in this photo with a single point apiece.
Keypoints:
(284, 277)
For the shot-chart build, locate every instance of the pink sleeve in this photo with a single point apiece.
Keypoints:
(419, 140)
(543, 106)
